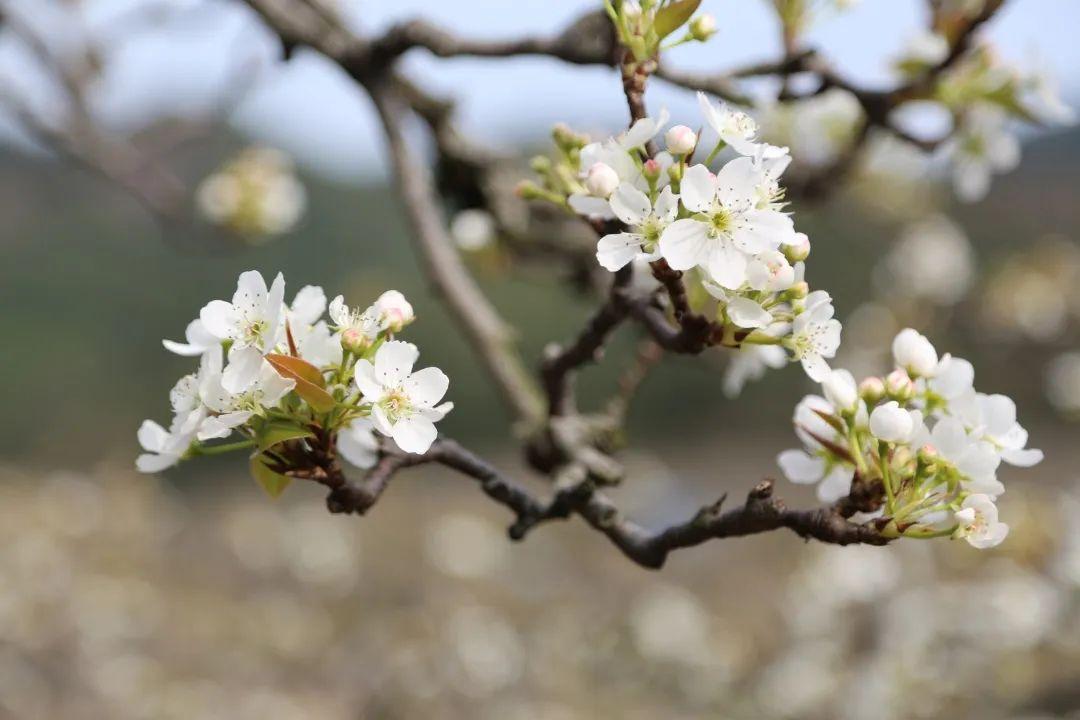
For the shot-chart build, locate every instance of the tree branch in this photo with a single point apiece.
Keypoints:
(762, 511)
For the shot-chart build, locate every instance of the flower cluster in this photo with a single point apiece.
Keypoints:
(254, 195)
(982, 94)
(275, 373)
(922, 441)
(729, 227)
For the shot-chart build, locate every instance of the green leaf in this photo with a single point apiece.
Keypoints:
(273, 483)
(673, 16)
(278, 431)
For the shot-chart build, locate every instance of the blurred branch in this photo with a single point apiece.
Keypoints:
(488, 332)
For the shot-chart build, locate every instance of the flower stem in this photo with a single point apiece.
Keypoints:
(222, 449)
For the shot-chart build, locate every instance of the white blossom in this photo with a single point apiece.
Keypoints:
(892, 423)
(198, 338)
(403, 402)
(393, 311)
(252, 321)
(914, 353)
(357, 443)
(680, 140)
(975, 459)
(770, 271)
(993, 418)
(642, 131)
(841, 390)
(981, 147)
(164, 448)
(601, 180)
(646, 223)
(815, 335)
(735, 128)
(977, 521)
(727, 224)
(749, 362)
(235, 409)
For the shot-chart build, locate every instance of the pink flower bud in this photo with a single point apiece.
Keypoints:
(898, 385)
(680, 140)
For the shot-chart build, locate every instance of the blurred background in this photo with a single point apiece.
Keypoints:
(194, 596)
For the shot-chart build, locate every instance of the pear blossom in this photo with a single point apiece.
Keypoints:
(357, 443)
(358, 328)
(770, 271)
(993, 418)
(914, 353)
(953, 378)
(646, 220)
(164, 448)
(976, 460)
(815, 335)
(601, 180)
(642, 131)
(198, 340)
(812, 465)
(251, 321)
(680, 140)
(833, 479)
(735, 128)
(189, 410)
(981, 147)
(899, 385)
(841, 390)
(234, 409)
(892, 423)
(749, 362)
(726, 226)
(403, 402)
(977, 521)
(393, 311)
(618, 159)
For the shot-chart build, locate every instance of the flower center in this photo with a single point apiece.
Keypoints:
(720, 221)
(396, 404)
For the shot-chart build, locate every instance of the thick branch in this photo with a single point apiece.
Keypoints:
(762, 511)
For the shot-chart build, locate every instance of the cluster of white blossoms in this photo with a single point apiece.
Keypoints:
(256, 194)
(729, 226)
(271, 372)
(932, 441)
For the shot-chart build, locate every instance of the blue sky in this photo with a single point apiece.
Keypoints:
(312, 110)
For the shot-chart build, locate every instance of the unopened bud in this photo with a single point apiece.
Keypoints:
(651, 170)
(601, 180)
(871, 390)
(799, 250)
(703, 27)
(355, 340)
(898, 385)
(680, 140)
(928, 454)
(902, 456)
(528, 190)
(540, 164)
(799, 290)
(395, 312)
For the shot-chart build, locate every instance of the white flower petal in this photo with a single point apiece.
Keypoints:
(394, 361)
